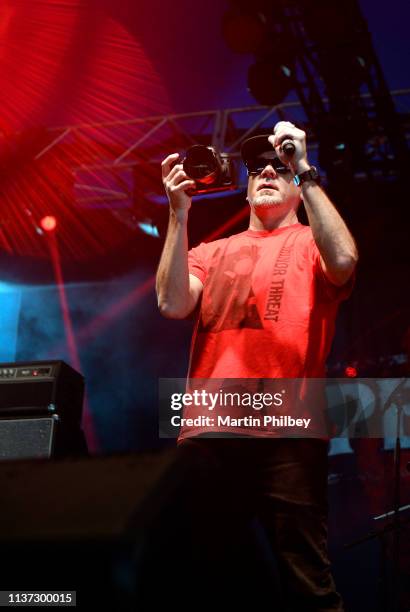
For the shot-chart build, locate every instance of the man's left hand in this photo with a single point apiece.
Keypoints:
(284, 130)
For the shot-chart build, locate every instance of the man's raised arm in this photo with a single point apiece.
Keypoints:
(338, 252)
(177, 290)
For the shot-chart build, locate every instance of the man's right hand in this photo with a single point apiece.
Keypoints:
(176, 183)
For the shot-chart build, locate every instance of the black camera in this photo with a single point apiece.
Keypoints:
(211, 170)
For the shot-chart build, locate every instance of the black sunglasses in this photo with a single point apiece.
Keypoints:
(257, 165)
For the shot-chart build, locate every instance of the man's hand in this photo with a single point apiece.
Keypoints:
(176, 183)
(285, 130)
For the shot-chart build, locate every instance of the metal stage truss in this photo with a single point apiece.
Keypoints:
(104, 156)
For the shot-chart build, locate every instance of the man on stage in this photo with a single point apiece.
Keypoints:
(268, 301)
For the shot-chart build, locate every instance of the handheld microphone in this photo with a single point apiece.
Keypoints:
(288, 147)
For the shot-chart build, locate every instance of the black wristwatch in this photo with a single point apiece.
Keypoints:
(309, 175)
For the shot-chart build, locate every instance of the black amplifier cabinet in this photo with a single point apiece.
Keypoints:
(40, 410)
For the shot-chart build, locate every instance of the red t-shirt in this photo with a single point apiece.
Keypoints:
(267, 309)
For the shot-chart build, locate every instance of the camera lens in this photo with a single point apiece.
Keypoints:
(201, 164)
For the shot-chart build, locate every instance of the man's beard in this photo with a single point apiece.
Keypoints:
(265, 201)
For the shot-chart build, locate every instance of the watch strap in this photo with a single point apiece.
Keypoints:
(309, 175)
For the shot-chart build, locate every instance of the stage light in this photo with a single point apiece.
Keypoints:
(148, 228)
(270, 82)
(344, 71)
(48, 223)
(350, 372)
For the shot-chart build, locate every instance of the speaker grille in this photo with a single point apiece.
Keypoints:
(27, 438)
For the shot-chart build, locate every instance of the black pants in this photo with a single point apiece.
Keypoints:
(283, 482)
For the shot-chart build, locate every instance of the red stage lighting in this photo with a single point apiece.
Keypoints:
(350, 371)
(48, 223)
(64, 64)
